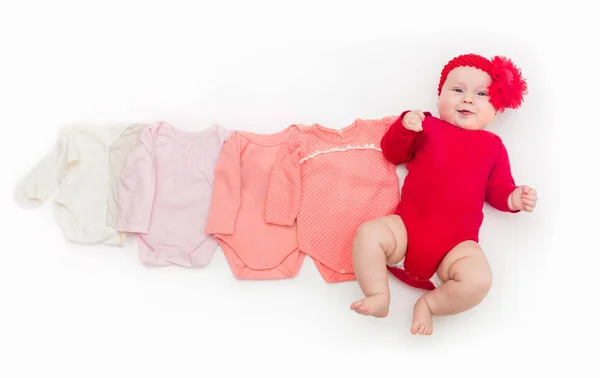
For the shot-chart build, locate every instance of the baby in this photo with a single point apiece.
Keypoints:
(454, 166)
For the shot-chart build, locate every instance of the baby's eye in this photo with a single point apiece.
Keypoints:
(481, 94)
(457, 90)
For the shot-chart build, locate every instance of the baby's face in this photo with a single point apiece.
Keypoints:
(464, 100)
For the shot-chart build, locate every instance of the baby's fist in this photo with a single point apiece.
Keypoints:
(523, 198)
(413, 120)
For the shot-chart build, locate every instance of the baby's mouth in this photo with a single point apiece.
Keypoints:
(465, 112)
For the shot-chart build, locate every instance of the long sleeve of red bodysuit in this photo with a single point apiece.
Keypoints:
(500, 183)
(285, 186)
(398, 143)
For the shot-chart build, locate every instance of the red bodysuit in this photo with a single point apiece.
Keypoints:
(451, 173)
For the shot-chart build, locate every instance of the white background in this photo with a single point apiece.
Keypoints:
(94, 311)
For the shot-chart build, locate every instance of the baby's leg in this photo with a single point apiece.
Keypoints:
(467, 280)
(377, 243)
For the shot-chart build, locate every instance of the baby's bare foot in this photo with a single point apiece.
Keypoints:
(377, 305)
(422, 319)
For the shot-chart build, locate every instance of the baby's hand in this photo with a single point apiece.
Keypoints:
(413, 120)
(523, 198)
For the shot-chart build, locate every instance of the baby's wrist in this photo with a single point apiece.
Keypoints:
(511, 207)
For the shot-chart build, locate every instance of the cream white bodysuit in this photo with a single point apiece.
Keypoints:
(78, 167)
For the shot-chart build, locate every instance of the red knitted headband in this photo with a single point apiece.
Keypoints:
(507, 87)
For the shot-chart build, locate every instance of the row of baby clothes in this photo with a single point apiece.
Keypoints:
(268, 200)
(302, 191)
(153, 181)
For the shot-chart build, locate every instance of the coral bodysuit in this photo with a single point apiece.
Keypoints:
(328, 182)
(451, 173)
(254, 249)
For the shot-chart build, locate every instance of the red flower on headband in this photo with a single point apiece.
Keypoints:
(508, 86)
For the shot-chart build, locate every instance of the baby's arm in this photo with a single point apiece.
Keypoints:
(398, 143)
(501, 183)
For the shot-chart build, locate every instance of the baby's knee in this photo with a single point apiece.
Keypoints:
(368, 231)
(379, 234)
(369, 235)
(478, 285)
(374, 230)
